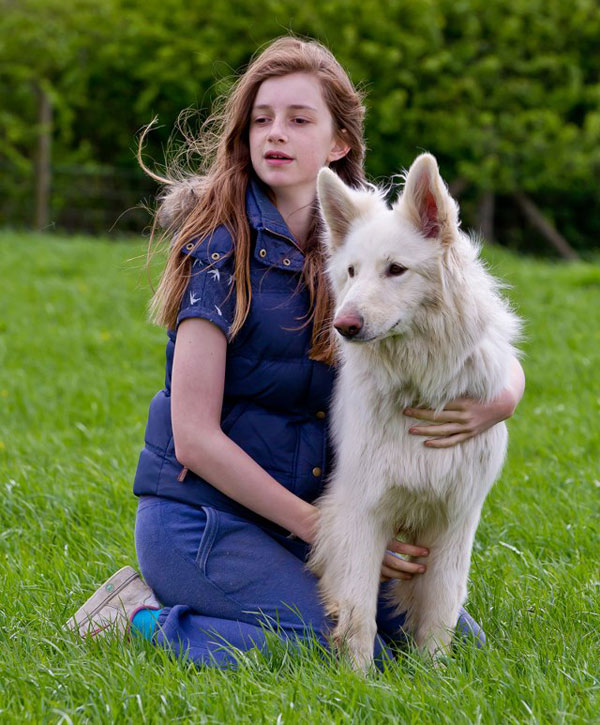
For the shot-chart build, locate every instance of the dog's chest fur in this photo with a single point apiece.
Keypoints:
(414, 483)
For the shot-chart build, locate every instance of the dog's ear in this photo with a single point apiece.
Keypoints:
(427, 202)
(337, 206)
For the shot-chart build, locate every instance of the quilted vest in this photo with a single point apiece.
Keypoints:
(276, 400)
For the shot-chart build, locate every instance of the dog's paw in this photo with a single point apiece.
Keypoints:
(354, 641)
(436, 648)
(440, 661)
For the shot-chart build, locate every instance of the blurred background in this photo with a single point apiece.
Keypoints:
(506, 94)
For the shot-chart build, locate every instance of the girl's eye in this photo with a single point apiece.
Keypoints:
(260, 119)
(301, 121)
(350, 271)
(395, 270)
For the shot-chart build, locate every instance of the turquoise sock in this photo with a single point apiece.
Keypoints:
(145, 621)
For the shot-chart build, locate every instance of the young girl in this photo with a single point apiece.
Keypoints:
(236, 447)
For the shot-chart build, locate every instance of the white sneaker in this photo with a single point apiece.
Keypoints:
(114, 605)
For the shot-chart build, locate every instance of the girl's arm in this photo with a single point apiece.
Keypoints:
(196, 400)
(464, 418)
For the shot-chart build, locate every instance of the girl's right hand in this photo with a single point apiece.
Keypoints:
(394, 567)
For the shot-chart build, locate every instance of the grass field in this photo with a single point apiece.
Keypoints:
(78, 367)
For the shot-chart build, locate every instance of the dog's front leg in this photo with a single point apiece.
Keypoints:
(439, 593)
(348, 555)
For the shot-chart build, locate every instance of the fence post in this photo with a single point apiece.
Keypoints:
(42, 159)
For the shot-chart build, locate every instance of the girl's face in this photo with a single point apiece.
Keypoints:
(290, 117)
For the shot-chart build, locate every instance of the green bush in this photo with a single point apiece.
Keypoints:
(505, 94)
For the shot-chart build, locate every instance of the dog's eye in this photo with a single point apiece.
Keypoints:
(395, 270)
(351, 271)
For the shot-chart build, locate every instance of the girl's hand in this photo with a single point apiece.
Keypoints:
(393, 567)
(464, 418)
(460, 420)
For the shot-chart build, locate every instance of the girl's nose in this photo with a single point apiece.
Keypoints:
(276, 132)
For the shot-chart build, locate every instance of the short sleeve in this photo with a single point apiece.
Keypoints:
(210, 292)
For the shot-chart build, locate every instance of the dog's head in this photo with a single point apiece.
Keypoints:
(385, 263)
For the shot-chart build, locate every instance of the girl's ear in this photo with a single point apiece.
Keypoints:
(337, 206)
(427, 202)
(340, 148)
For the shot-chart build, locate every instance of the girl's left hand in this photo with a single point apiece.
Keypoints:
(461, 419)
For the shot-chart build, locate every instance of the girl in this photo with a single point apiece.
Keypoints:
(236, 447)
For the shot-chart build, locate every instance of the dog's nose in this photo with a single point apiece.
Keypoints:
(348, 325)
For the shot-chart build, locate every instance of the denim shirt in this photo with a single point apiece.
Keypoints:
(276, 400)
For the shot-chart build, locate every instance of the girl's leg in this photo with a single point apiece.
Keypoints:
(224, 579)
(206, 640)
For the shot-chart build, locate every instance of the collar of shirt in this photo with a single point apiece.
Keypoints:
(274, 237)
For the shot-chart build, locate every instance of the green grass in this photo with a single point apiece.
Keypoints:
(78, 367)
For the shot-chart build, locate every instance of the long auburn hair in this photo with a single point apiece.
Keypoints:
(225, 169)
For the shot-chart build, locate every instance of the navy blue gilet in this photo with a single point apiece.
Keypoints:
(276, 400)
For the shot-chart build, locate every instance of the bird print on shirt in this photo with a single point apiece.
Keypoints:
(216, 277)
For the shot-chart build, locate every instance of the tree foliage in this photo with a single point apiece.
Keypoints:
(506, 93)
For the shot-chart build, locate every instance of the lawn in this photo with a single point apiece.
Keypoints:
(79, 364)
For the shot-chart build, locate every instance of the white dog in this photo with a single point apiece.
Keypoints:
(421, 323)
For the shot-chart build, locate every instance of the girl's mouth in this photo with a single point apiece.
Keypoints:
(274, 158)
